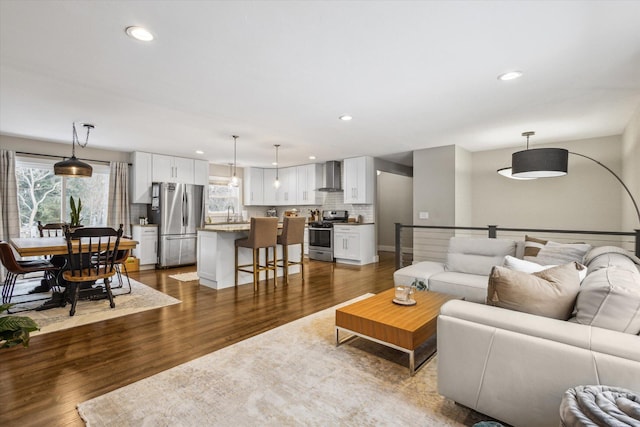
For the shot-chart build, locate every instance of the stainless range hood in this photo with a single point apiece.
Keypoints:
(332, 177)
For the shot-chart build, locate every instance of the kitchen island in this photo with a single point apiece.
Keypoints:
(216, 256)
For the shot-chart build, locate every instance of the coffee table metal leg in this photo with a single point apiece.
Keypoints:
(412, 362)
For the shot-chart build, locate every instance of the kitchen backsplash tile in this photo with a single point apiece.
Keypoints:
(332, 201)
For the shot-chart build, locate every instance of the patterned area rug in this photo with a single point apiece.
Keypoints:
(185, 277)
(141, 298)
(291, 375)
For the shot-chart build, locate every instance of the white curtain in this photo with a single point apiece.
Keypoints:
(118, 207)
(9, 217)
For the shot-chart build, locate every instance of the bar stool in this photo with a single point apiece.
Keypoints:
(292, 234)
(262, 234)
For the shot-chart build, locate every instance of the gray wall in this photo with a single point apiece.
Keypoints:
(631, 170)
(434, 185)
(394, 199)
(588, 197)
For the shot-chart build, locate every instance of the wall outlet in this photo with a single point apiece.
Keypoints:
(423, 215)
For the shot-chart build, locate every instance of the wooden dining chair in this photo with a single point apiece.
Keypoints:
(53, 229)
(262, 234)
(92, 253)
(292, 234)
(16, 268)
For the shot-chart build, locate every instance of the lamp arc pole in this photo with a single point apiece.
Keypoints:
(635, 205)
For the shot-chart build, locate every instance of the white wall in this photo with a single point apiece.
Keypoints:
(463, 201)
(587, 198)
(631, 171)
(395, 204)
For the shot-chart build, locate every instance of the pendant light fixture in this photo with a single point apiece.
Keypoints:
(234, 177)
(74, 167)
(539, 162)
(276, 183)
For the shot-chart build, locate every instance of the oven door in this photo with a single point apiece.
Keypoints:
(321, 238)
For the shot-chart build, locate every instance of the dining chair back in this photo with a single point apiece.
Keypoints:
(292, 234)
(92, 254)
(53, 229)
(263, 233)
(17, 268)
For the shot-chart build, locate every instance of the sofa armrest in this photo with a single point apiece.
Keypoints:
(420, 270)
(516, 366)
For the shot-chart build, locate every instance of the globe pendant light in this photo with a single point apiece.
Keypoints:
(276, 183)
(74, 167)
(234, 177)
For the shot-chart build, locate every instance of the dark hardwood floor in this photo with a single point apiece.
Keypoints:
(42, 384)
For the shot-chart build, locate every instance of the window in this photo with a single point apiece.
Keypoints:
(223, 198)
(43, 196)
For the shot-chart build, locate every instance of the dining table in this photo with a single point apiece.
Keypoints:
(43, 246)
(51, 246)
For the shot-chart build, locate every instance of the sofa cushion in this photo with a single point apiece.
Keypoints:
(477, 256)
(607, 256)
(551, 292)
(471, 287)
(610, 298)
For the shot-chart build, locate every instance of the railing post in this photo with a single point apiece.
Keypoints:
(638, 243)
(398, 246)
(493, 231)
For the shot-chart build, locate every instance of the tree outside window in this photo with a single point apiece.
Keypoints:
(41, 195)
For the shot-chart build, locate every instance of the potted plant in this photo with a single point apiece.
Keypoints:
(75, 212)
(15, 330)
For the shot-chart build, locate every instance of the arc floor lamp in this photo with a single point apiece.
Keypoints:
(550, 162)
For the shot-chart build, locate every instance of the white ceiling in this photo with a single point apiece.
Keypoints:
(412, 74)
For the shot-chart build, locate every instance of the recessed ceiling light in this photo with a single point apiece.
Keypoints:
(510, 75)
(139, 33)
(312, 157)
(345, 118)
(199, 152)
(274, 163)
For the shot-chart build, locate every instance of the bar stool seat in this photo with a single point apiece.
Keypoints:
(262, 234)
(292, 234)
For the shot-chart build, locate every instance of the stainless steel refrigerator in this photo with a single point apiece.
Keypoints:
(178, 209)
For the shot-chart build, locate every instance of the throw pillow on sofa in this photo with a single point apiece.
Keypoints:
(513, 263)
(560, 253)
(532, 245)
(551, 292)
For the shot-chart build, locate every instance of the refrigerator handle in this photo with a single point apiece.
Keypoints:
(186, 209)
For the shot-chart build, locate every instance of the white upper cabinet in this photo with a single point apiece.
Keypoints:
(201, 172)
(253, 183)
(272, 195)
(172, 169)
(309, 178)
(141, 177)
(289, 186)
(358, 180)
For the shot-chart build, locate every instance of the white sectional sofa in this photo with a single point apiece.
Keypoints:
(515, 366)
(466, 272)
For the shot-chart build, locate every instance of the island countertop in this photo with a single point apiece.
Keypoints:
(229, 227)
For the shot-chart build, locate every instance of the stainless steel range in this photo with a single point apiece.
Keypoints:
(321, 235)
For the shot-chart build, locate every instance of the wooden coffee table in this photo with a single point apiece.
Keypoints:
(403, 328)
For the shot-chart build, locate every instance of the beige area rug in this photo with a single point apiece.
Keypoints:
(141, 298)
(291, 375)
(185, 277)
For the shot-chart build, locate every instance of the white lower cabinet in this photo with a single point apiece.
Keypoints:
(354, 244)
(147, 248)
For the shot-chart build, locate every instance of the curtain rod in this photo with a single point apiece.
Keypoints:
(63, 157)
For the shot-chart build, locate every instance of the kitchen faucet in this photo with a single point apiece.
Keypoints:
(232, 210)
